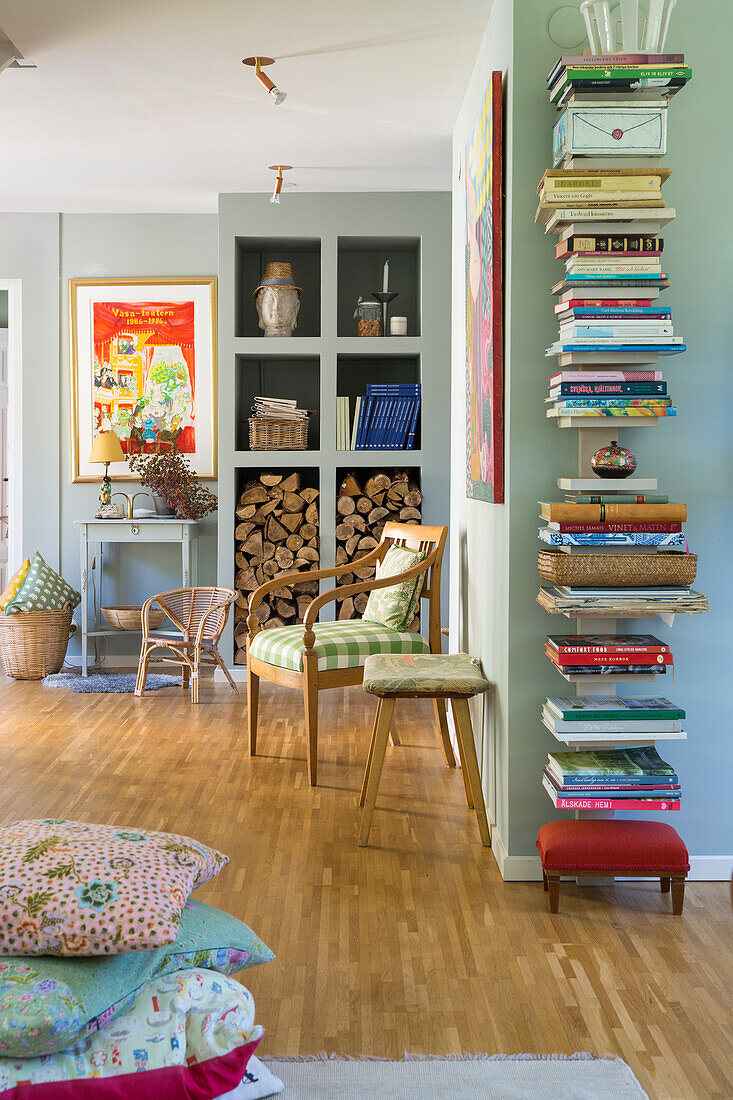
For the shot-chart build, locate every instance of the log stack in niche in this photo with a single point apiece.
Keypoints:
(362, 509)
(276, 532)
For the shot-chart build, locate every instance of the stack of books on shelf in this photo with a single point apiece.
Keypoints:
(581, 79)
(615, 779)
(599, 718)
(385, 418)
(278, 408)
(617, 655)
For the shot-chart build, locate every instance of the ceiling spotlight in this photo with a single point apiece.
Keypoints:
(279, 168)
(263, 78)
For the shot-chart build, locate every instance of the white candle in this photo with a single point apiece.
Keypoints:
(385, 277)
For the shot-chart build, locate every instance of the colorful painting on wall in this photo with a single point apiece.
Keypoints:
(484, 313)
(143, 358)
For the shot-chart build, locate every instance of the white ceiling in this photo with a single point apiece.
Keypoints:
(145, 105)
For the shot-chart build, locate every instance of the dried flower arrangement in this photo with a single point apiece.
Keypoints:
(168, 474)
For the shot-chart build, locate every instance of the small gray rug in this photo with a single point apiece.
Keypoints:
(117, 683)
(468, 1077)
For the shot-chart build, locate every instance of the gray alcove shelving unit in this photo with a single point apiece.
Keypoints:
(337, 245)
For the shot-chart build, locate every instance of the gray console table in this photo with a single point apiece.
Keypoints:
(131, 531)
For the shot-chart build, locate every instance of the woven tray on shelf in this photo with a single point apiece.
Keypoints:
(33, 643)
(617, 570)
(268, 434)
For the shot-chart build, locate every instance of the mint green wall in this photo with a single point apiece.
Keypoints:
(690, 455)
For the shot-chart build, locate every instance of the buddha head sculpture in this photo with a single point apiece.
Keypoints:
(278, 300)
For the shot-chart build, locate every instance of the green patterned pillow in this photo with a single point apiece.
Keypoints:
(43, 590)
(395, 607)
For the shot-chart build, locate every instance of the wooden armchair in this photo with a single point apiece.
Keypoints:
(313, 656)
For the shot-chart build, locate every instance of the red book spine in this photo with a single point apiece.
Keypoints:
(562, 803)
(605, 302)
(570, 649)
(639, 255)
(617, 528)
(609, 658)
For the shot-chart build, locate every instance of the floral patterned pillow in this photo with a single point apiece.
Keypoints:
(189, 1034)
(71, 888)
(395, 607)
(48, 1003)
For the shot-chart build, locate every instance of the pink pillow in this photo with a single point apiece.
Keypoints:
(72, 888)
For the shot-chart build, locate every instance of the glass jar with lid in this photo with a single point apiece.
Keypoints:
(368, 316)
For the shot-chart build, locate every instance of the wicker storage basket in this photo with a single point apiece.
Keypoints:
(130, 617)
(33, 643)
(616, 570)
(268, 434)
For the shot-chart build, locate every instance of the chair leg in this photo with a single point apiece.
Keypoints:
(370, 757)
(464, 731)
(196, 675)
(185, 677)
(678, 896)
(464, 768)
(664, 885)
(310, 700)
(385, 710)
(253, 699)
(553, 888)
(396, 743)
(142, 670)
(225, 670)
(439, 707)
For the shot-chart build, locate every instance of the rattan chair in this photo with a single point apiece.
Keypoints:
(200, 614)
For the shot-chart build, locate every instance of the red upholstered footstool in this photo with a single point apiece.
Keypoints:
(640, 849)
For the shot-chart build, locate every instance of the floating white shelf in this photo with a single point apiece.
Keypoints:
(629, 678)
(607, 421)
(607, 485)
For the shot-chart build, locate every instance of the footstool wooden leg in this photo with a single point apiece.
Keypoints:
(544, 882)
(678, 895)
(553, 888)
(664, 884)
(439, 707)
(381, 733)
(370, 757)
(464, 732)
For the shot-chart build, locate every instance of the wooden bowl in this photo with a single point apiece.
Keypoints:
(129, 617)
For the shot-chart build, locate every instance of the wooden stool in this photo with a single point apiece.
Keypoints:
(635, 849)
(423, 676)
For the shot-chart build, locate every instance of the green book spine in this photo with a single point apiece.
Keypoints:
(589, 76)
(621, 716)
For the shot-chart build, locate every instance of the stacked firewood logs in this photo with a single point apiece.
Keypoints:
(277, 532)
(362, 509)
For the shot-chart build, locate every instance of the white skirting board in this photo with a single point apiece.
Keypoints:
(238, 673)
(529, 868)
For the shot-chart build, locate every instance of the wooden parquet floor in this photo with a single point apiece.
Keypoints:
(414, 943)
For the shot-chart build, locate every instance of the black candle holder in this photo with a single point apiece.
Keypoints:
(385, 297)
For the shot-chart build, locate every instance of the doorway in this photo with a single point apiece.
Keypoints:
(11, 517)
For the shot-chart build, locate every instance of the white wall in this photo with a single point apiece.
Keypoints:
(480, 531)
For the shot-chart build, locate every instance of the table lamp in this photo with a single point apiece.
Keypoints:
(106, 448)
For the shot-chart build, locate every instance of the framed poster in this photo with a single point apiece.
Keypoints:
(143, 362)
(484, 306)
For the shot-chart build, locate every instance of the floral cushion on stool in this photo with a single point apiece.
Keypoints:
(424, 673)
(338, 645)
(395, 607)
(42, 590)
(72, 888)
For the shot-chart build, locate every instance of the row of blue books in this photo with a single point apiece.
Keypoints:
(386, 418)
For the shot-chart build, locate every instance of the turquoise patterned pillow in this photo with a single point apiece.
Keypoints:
(395, 607)
(48, 1004)
(43, 590)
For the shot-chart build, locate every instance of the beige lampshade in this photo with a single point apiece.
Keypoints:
(106, 448)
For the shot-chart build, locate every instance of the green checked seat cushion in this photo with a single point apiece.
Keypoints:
(42, 590)
(338, 645)
(424, 673)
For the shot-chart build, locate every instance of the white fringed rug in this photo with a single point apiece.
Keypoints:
(467, 1077)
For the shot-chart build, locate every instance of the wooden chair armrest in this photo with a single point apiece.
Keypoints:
(284, 579)
(361, 586)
